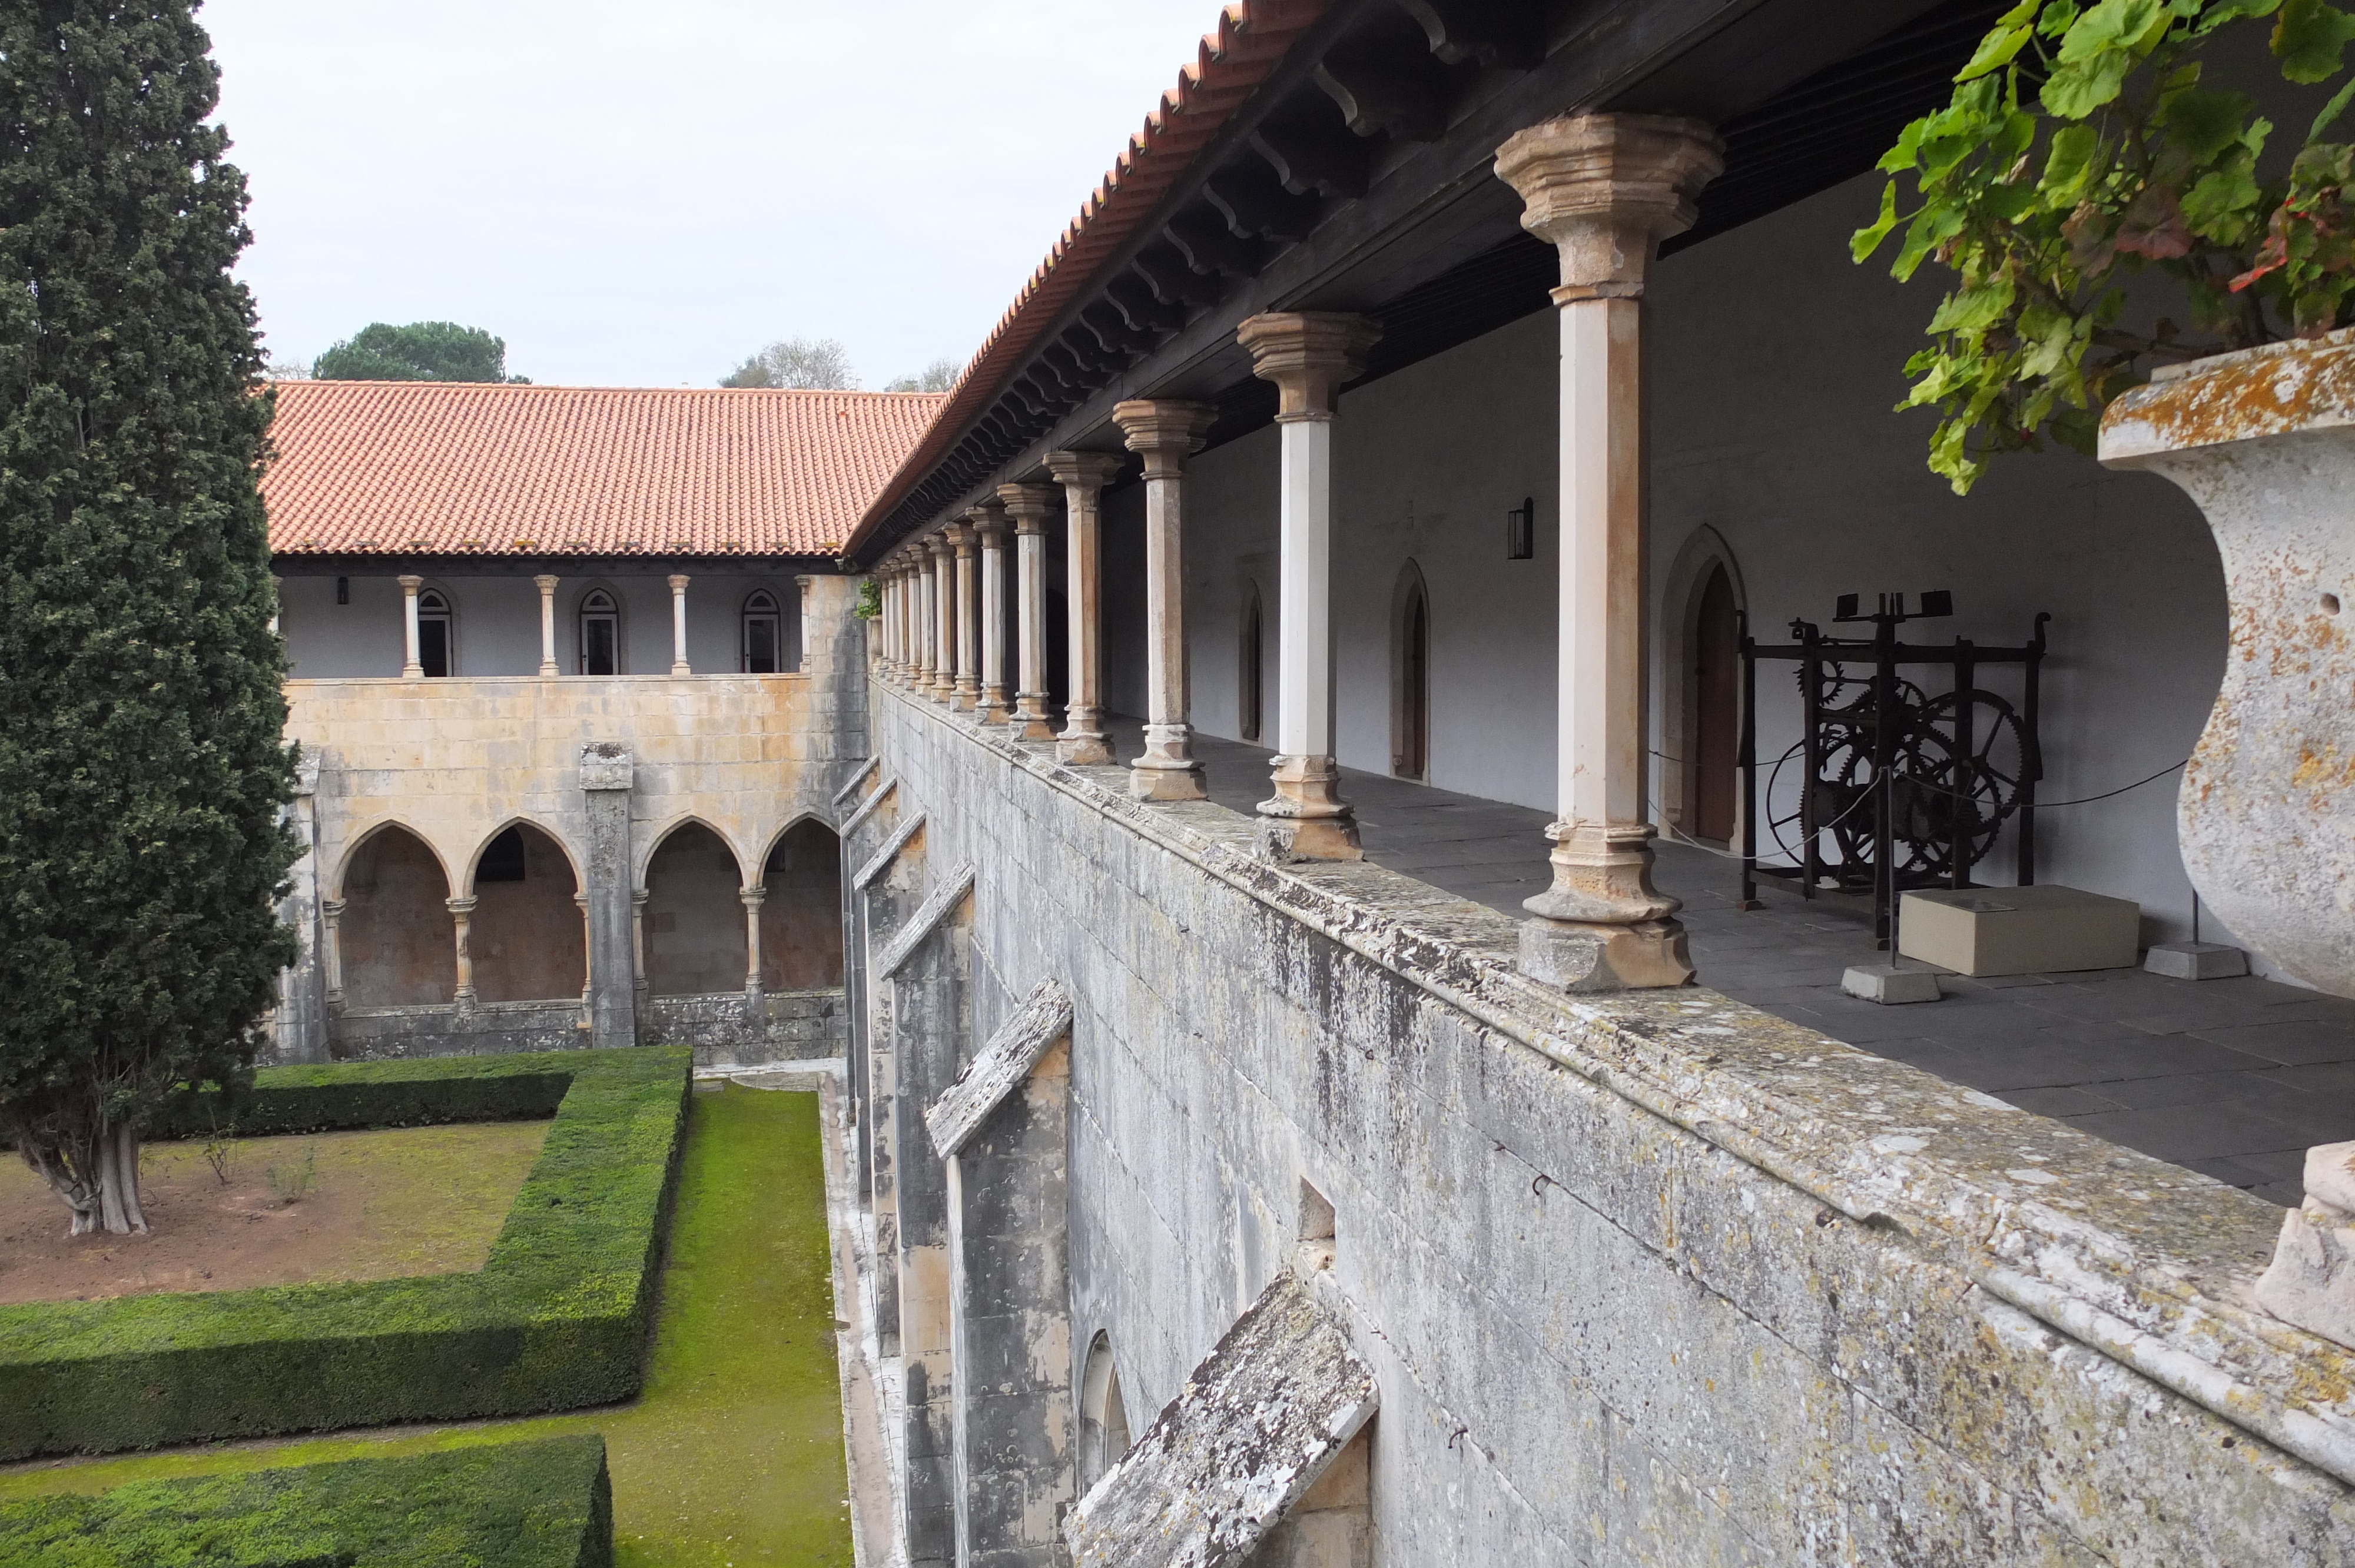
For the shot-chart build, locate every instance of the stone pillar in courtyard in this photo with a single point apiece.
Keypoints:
(678, 665)
(965, 690)
(1605, 189)
(1308, 356)
(1084, 476)
(607, 776)
(753, 898)
(462, 925)
(1029, 505)
(1165, 433)
(944, 615)
(989, 523)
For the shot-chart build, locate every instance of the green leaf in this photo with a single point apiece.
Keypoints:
(1900, 158)
(2222, 203)
(1867, 240)
(2112, 25)
(2204, 123)
(1974, 308)
(2074, 92)
(1995, 52)
(2310, 40)
(2058, 18)
(1930, 227)
(2068, 165)
(2331, 110)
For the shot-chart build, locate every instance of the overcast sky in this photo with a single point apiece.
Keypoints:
(643, 195)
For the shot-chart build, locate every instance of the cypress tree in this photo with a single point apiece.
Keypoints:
(142, 765)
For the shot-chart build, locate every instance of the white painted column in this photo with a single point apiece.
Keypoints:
(989, 525)
(678, 665)
(412, 666)
(1165, 433)
(1029, 505)
(1307, 355)
(547, 586)
(889, 577)
(1606, 189)
(1084, 476)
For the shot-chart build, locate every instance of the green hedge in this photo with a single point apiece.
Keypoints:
(544, 1504)
(558, 1317)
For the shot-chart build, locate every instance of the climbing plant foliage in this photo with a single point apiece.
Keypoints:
(2084, 145)
(142, 764)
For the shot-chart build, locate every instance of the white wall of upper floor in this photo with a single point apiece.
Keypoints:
(496, 621)
(1774, 365)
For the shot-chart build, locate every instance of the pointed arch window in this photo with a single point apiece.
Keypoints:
(435, 626)
(1252, 664)
(764, 649)
(601, 633)
(1411, 676)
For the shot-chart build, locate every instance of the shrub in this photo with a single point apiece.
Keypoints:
(543, 1504)
(558, 1317)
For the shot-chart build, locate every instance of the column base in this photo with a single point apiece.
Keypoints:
(547, 669)
(1601, 875)
(1178, 781)
(1306, 819)
(1584, 956)
(1074, 749)
(988, 712)
(963, 697)
(1028, 720)
(681, 668)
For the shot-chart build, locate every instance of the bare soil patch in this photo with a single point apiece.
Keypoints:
(375, 1205)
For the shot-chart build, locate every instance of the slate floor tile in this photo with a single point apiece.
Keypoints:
(2293, 1044)
(2182, 1133)
(2060, 1101)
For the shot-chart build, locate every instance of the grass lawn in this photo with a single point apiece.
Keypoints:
(734, 1452)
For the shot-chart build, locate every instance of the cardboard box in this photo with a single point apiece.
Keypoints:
(2019, 930)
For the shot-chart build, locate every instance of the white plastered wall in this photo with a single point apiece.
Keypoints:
(1775, 364)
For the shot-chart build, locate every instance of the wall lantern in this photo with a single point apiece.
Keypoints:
(1521, 530)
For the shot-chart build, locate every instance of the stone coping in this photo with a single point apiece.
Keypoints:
(449, 682)
(2149, 1264)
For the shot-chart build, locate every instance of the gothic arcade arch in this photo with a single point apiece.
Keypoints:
(394, 939)
(1104, 1414)
(691, 927)
(528, 936)
(801, 914)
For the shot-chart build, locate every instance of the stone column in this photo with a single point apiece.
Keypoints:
(1165, 433)
(944, 613)
(638, 986)
(331, 939)
(412, 666)
(889, 577)
(1606, 189)
(607, 774)
(678, 665)
(547, 586)
(752, 897)
(989, 523)
(588, 952)
(965, 693)
(462, 920)
(1308, 356)
(1084, 476)
(1029, 504)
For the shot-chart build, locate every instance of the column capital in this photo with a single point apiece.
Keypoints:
(1308, 355)
(1165, 431)
(988, 522)
(1086, 470)
(410, 582)
(960, 538)
(1028, 504)
(1606, 189)
(678, 581)
(545, 583)
(752, 896)
(943, 543)
(460, 905)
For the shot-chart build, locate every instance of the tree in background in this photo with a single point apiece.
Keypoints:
(820, 364)
(421, 351)
(142, 765)
(940, 375)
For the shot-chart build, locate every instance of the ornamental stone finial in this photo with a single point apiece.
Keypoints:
(1606, 189)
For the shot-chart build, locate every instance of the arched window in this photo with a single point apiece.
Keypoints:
(763, 649)
(601, 633)
(1251, 669)
(1103, 1416)
(1714, 745)
(434, 642)
(1411, 677)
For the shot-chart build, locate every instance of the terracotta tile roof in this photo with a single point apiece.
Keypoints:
(442, 468)
(1228, 66)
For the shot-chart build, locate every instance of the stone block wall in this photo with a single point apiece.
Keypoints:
(1658, 1279)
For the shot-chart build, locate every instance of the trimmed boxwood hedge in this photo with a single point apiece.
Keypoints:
(543, 1504)
(558, 1317)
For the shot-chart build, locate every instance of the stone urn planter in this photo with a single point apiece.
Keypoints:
(2264, 441)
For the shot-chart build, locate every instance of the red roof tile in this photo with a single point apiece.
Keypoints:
(1227, 67)
(444, 468)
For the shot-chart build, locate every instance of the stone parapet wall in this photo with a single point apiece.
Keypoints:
(725, 1030)
(1656, 1279)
